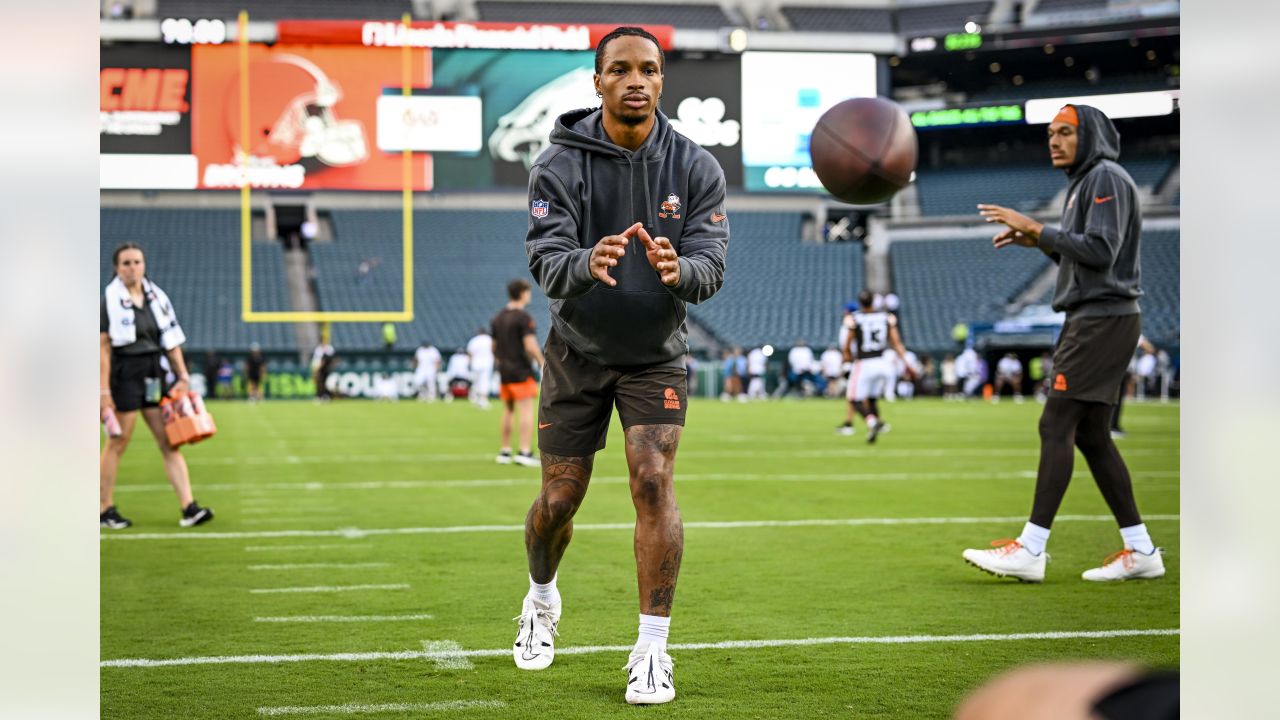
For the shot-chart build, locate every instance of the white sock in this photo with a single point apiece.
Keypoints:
(546, 594)
(653, 629)
(1034, 538)
(1136, 538)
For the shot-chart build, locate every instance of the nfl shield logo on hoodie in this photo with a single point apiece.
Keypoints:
(539, 208)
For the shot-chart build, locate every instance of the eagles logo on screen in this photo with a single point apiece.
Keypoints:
(305, 129)
(670, 207)
(525, 132)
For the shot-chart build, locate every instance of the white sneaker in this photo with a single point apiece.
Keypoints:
(649, 677)
(535, 639)
(1128, 565)
(503, 458)
(528, 460)
(1009, 558)
(846, 430)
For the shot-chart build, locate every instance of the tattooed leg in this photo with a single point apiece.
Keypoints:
(549, 524)
(659, 541)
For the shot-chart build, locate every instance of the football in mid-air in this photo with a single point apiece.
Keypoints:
(864, 150)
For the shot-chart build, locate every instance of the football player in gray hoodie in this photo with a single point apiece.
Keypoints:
(1097, 252)
(627, 225)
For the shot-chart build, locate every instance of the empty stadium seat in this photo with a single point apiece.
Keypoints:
(195, 256)
(944, 282)
(839, 19)
(942, 18)
(957, 191)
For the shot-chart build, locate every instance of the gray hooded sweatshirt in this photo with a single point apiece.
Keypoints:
(582, 188)
(1097, 247)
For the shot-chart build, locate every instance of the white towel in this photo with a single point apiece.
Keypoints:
(120, 315)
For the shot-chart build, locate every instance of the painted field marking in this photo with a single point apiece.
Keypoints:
(329, 588)
(358, 709)
(622, 480)
(882, 452)
(287, 510)
(344, 618)
(309, 566)
(590, 649)
(298, 548)
(578, 527)
(446, 654)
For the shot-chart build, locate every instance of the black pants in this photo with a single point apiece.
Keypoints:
(1065, 425)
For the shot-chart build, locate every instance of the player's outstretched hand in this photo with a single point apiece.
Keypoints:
(1012, 237)
(662, 256)
(608, 252)
(1013, 219)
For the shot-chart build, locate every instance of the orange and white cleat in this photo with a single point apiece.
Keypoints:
(1008, 558)
(1128, 564)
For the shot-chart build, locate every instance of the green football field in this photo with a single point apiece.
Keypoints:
(367, 560)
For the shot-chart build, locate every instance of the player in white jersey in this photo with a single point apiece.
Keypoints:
(480, 349)
(872, 334)
(426, 366)
(756, 364)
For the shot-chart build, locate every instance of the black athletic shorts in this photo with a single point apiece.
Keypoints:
(129, 375)
(578, 396)
(1092, 356)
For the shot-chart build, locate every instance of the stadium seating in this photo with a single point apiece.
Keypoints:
(956, 191)
(944, 282)
(943, 18)
(285, 9)
(839, 19)
(1065, 87)
(463, 260)
(1049, 6)
(1161, 312)
(195, 256)
(778, 289)
(682, 15)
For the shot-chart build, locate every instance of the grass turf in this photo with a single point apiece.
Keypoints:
(297, 466)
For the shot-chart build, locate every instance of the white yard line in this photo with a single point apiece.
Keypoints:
(1130, 449)
(300, 548)
(436, 655)
(579, 527)
(532, 480)
(310, 566)
(329, 588)
(344, 618)
(358, 709)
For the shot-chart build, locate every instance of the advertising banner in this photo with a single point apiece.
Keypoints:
(783, 95)
(145, 110)
(457, 35)
(313, 117)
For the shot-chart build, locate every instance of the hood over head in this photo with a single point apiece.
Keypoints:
(1098, 140)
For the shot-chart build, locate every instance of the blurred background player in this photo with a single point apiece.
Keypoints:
(323, 358)
(618, 334)
(732, 379)
(1097, 252)
(950, 378)
(757, 362)
(800, 365)
(1135, 367)
(1008, 373)
(426, 369)
(457, 375)
(138, 329)
(873, 332)
(255, 372)
(832, 363)
(969, 370)
(480, 350)
(515, 346)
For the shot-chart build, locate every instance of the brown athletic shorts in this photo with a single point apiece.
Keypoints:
(578, 396)
(1092, 355)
